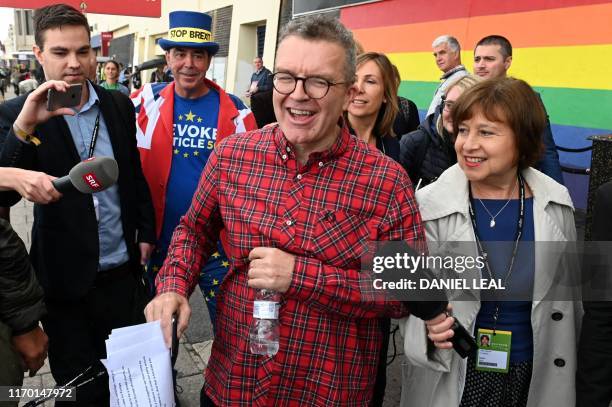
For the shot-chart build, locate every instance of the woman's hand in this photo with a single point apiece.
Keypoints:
(439, 329)
(34, 186)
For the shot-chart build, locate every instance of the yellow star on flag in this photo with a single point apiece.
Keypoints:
(215, 281)
(176, 151)
(216, 254)
(180, 117)
(186, 155)
(225, 263)
(211, 293)
(196, 153)
(189, 116)
(155, 269)
(199, 120)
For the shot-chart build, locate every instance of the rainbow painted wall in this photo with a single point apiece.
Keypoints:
(563, 48)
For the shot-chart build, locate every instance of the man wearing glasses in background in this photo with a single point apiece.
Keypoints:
(298, 202)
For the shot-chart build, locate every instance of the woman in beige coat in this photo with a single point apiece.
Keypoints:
(487, 196)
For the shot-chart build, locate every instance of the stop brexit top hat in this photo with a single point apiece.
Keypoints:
(190, 29)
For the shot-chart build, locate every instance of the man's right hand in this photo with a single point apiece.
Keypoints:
(34, 109)
(32, 347)
(32, 185)
(163, 307)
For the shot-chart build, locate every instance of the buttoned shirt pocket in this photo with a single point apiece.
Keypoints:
(339, 238)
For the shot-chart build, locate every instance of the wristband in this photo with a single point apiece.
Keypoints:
(28, 138)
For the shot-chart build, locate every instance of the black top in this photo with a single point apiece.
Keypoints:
(390, 146)
(21, 298)
(594, 377)
(407, 118)
(65, 247)
(425, 154)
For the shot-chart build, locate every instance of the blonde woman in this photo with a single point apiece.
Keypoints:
(372, 111)
(428, 151)
(370, 115)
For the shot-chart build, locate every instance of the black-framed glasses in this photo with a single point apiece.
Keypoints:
(314, 87)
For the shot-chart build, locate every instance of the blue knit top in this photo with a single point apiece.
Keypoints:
(514, 306)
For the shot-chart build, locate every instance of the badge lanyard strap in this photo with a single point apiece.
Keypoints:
(92, 146)
(94, 136)
(519, 233)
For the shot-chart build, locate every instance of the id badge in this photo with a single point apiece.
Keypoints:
(96, 207)
(493, 350)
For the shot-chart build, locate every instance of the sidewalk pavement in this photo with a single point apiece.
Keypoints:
(195, 345)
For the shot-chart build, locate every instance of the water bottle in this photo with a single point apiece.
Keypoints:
(264, 333)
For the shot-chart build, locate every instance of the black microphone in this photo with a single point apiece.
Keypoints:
(92, 175)
(427, 304)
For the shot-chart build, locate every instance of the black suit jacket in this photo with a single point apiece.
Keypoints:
(65, 246)
(594, 377)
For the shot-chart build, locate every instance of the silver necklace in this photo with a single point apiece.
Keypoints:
(492, 223)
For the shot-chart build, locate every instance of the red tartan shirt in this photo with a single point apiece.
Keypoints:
(322, 213)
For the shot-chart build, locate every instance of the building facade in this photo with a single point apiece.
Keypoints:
(236, 24)
(562, 48)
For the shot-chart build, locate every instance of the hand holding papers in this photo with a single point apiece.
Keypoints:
(139, 369)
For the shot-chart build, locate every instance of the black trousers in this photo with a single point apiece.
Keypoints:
(380, 384)
(77, 329)
(205, 401)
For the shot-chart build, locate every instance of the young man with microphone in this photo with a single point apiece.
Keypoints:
(87, 250)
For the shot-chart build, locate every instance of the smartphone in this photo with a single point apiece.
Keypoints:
(57, 99)
(175, 340)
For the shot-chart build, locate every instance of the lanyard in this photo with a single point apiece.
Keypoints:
(519, 233)
(94, 136)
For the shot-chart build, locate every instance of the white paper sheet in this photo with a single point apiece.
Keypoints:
(139, 368)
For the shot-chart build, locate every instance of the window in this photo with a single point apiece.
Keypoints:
(29, 23)
(19, 22)
(261, 39)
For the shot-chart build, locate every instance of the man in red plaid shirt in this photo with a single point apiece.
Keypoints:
(297, 201)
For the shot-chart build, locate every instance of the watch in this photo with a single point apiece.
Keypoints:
(28, 138)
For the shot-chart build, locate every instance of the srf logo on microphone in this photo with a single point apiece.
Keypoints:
(91, 180)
